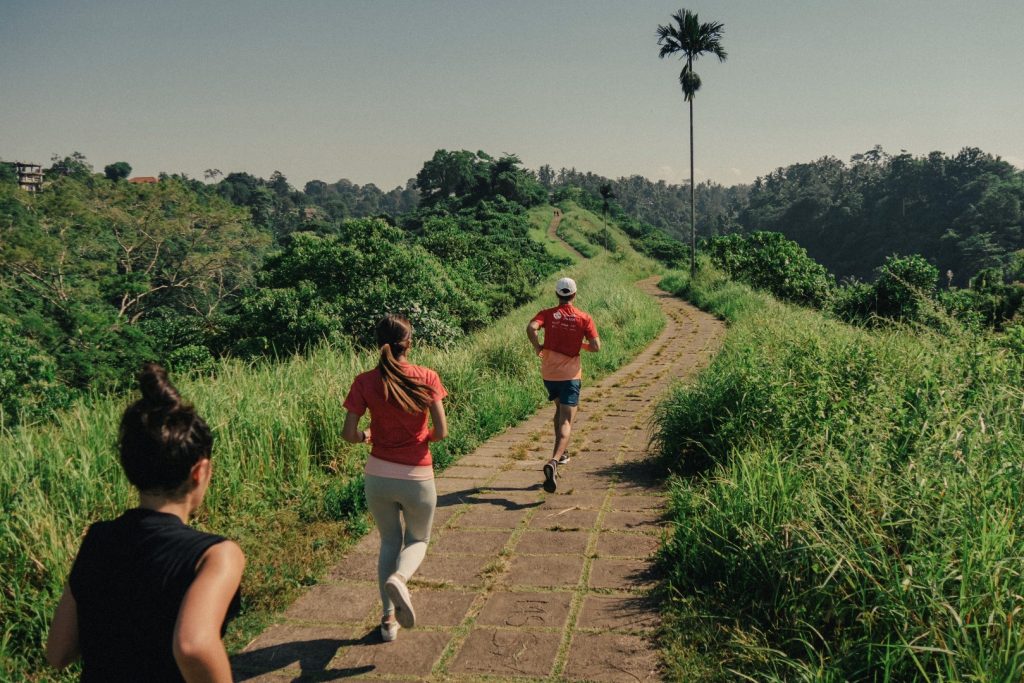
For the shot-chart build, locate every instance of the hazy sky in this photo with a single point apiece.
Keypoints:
(368, 90)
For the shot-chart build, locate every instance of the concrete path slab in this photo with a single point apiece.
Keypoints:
(518, 584)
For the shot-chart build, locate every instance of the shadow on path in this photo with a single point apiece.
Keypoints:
(485, 495)
(312, 657)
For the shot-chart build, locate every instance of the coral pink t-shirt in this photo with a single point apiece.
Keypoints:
(398, 436)
(565, 328)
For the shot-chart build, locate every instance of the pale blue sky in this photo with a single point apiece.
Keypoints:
(368, 90)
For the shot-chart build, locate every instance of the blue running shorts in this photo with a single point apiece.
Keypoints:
(566, 391)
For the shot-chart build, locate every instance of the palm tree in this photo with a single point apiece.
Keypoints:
(606, 194)
(690, 39)
(607, 241)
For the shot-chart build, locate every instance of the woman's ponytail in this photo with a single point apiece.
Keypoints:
(394, 335)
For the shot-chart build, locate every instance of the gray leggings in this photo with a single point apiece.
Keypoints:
(389, 501)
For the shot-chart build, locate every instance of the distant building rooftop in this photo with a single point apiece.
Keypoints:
(143, 179)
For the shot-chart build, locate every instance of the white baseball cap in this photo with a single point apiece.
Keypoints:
(565, 287)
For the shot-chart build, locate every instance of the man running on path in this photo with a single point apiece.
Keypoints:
(567, 330)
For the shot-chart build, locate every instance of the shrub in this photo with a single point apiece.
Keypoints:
(28, 379)
(338, 286)
(192, 357)
(770, 261)
(903, 283)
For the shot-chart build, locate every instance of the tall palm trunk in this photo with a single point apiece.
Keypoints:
(693, 208)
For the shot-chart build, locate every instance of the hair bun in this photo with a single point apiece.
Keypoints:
(156, 389)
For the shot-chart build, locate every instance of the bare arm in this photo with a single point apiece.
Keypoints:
(531, 333)
(592, 345)
(351, 432)
(198, 649)
(62, 643)
(440, 421)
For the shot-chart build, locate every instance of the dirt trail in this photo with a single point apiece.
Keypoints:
(556, 219)
(518, 583)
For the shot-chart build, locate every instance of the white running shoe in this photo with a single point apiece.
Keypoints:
(388, 630)
(399, 593)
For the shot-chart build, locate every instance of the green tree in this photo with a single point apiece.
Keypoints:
(338, 286)
(119, 170)
(102, 275)
(74, 165)
(451, 174)
(903, 284)
(690, 39)
(606, 196)
(8, 176)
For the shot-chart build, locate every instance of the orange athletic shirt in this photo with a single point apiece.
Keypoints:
(565, 327)
(398, 436)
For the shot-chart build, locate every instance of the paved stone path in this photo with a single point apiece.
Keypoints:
(517, 584)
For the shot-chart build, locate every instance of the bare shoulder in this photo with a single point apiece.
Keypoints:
(225, 556)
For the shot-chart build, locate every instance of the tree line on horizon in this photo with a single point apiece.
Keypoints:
(962, 213)
(98, 273)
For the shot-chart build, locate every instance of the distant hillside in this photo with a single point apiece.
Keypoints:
(98, 274)
(962, 212)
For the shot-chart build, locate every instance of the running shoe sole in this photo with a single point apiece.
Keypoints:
(399, 594)
(550, 479)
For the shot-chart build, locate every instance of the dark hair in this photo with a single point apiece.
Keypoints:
(161, 437)
(562, 300)
(394, 335)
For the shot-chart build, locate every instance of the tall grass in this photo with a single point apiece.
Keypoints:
(283, 477)
(851, 501)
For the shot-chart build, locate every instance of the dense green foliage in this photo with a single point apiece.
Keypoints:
(962, 212)
(279, 208)
(283, 476)
(768, 260)
(119, 170)
(906, 288)
(98, 275)
(336, 287)
(658, 204)
(466, 178)
(851, 510)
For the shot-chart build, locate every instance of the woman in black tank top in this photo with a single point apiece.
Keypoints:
(149, 596)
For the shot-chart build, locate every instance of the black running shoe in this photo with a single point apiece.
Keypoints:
(550, 478)
(563, 458)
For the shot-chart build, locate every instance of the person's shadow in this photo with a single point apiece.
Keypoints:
(312, 657)
(479, 495)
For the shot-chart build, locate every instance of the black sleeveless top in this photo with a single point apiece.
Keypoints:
(128, 581)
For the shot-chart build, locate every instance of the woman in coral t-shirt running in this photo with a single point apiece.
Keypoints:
(399, 471)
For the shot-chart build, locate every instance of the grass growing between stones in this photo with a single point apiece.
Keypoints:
(848, 502)
(283, 478)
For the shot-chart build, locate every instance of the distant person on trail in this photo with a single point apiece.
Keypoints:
(149, 597)
(399, 472)
(567, 330)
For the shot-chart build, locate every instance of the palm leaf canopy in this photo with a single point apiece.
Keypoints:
(690, 39)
